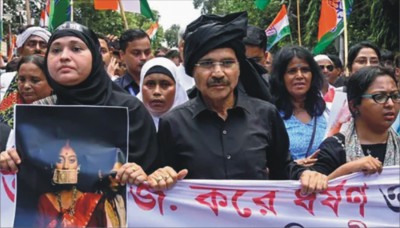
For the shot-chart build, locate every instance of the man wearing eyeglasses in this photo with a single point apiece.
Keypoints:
(327, 68)
(226, 131)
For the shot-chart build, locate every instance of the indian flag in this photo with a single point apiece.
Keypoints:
(152, 31)
(138, 6)
(278, 29)
(331, 22)
(44, 16)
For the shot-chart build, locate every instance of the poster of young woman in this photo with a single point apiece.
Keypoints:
(69, 157)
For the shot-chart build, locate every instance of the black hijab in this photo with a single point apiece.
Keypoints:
(210, 32)
(96, 89)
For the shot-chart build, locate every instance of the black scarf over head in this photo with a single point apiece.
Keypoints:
(96, 89)
(210, 32)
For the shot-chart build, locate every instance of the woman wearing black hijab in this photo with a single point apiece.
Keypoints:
(74, 69)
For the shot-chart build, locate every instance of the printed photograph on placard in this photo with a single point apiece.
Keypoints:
(67, 173)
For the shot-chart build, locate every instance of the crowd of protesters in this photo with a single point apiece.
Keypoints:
(219, 106)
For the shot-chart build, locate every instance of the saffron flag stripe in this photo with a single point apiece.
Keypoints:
(105, 4)
(278, 29)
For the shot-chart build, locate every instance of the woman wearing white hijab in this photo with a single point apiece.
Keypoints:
(160, 90)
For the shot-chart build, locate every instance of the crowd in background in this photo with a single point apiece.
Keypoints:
(218, 106)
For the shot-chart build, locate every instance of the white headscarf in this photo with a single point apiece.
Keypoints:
(180, 93)
(322, 57)
(32, 31)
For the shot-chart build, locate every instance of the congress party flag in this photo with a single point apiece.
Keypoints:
(331, 22)
(138, 6)
(262, 4)
(278, 29)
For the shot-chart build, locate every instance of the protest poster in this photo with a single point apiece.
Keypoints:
(69, 154)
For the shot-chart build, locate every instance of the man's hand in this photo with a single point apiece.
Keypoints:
(165, 178)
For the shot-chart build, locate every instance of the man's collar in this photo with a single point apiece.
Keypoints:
(240, 102)
(127, 80)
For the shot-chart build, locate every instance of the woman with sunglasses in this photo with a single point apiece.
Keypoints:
(369, 143)
(296, 83)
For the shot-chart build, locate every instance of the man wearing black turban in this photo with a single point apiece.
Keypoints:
(225, 132)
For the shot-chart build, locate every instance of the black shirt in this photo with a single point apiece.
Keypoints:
(332, 154)
(128, 84)
(252, 138)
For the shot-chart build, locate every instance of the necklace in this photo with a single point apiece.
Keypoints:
(71, 209)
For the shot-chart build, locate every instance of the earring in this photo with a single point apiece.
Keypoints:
(356, 112)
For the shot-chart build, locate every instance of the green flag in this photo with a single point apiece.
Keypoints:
(60, 12)
(262, 4)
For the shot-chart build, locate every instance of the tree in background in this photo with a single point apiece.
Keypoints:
(377, 21)
(171, 36)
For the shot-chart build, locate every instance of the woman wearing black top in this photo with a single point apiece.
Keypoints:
(369, 143)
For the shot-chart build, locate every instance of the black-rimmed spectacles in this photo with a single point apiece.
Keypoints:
(382, 98)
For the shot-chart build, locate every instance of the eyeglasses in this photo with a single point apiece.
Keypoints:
(207, 64)
(34, 43)
(382, 98)
(328, 67)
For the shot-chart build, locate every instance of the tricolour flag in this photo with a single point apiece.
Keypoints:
(138, 6)
(105, 4)
(278, 29)
(152, 31)
(44, 16)
(262, 4)
(60, 12)
(331, 22)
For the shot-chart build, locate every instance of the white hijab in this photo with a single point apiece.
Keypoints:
(180, 93)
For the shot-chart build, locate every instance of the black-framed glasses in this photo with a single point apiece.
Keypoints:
(328, 67)
(382, 98)
(208, 64)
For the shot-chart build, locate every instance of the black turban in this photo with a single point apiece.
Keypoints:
(210, 32)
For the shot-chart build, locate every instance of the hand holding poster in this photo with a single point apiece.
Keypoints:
(69, 158)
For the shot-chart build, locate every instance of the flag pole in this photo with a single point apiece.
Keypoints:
(345, 35)
(28, 12)
(121, 8)
(72, 9)
(298, 21)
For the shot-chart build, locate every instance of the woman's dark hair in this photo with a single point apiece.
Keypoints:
(314, 104)
(355, 49)
(361, 80)
(38, 60)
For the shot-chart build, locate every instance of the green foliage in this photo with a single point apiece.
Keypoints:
(171, 36)
(372, 20)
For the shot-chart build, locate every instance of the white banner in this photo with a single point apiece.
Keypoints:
(353, 201)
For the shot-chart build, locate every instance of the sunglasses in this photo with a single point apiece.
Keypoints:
(328, 67)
